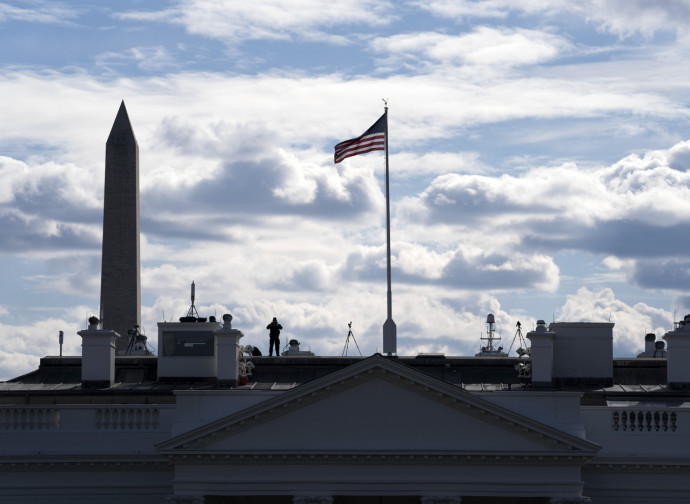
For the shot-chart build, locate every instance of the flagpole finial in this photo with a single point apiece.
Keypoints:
(385, 102)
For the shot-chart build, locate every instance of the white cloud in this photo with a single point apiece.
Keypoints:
(38, 11)
(234, 22)
(620, 17)
(625, 209)
(24, 344)
(631, 322)
(239, 192)
(501, 47)
(150, 58)
(409, 164)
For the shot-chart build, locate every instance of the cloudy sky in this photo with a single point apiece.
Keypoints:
(539, 156)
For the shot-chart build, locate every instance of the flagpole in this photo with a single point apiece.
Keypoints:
(389, 327)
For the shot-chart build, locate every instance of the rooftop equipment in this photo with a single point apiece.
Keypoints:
(488, 350)
(350, 334)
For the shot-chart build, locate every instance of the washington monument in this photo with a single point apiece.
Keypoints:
(120, 269)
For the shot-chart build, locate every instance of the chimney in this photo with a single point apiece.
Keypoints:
(541, 355)
(582, 353)
(97, 356)
(649, 346)
(227, 352)
(678, 356)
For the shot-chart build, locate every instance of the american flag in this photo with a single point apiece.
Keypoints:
(371, 140)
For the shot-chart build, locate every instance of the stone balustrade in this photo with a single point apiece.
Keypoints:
(29, 418)
(632, 420)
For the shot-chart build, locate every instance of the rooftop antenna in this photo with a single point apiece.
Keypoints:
(61, 339)
(350, 334)
(489, 350)
(192, 309)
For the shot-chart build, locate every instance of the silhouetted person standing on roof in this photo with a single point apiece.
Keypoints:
(274, 336)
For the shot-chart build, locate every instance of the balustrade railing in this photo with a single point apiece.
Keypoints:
(29, 418)
(127, 418)
(644, 420)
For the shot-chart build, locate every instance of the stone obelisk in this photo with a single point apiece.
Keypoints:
(120, 270)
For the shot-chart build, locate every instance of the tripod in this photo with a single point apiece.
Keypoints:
(522, 344)
(350, 334)
(137, 341)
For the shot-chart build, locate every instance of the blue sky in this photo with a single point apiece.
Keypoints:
(539, 161)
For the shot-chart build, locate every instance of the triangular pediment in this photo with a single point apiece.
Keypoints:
(378, 406)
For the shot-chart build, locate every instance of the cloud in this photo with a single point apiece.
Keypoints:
(625, 18)
(313, 275)
(269, 20)
(638, 207)
(149, 59)
(669, 274)
(277, 186)
(461, 269)
(497, 271)
(409, 164)
(631, 322)
(46, 206)
(619, 17)
(484, 46)
(25, 343)
(239, 192)
(38, 11)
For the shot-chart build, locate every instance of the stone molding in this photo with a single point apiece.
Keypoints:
(47, 463)
(639, 467)
(377, 458)
(429, 499)
(268, 414)
(318, 499)
(571, 500)
(185, 499)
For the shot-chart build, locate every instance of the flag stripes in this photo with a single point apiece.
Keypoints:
(372, 139)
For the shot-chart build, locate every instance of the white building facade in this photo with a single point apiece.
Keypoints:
(345, 430)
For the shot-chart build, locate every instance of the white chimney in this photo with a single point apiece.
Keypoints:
(541, 355)
(97, 355)
(678, 356)
(227, 352)
(583, 352)
(649, 346)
